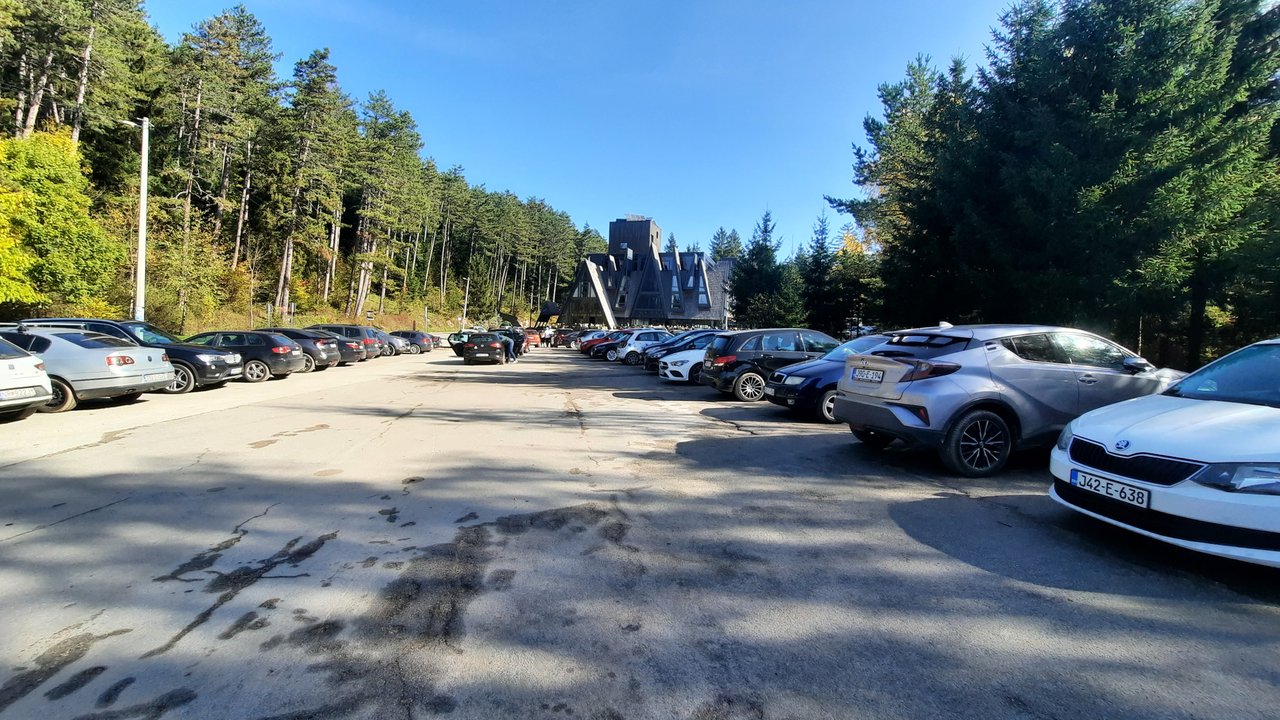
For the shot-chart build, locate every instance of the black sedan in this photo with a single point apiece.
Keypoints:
(320, 352)
(265, 354)
(484, 347)
(419, 342)
(349, 350)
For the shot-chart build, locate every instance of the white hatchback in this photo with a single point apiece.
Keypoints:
(24, 385)
(1197, 466)
(684, 366)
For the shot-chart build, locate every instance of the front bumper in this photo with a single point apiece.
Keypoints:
(675, 374)
(885, 419)
(788, 396)
(217, 372)
(1239, 526)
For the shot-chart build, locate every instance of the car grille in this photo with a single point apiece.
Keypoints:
(1147, 468)
(663, 365)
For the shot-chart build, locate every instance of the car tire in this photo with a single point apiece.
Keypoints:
(749, 387)
(414, 349)
(632, 358)
(64, 398)
(16, 415)
(695, 374)
(611, 356)
(873, 439)
(184, 380)
(827, 407)
(978, 444)
(308, 363)
(255, 371)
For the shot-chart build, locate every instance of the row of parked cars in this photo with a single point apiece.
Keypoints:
(1188, 459)
(53, 364)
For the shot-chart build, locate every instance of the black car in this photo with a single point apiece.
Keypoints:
(691, 340)
(349, 350)
(363, 334)
(484, 347)
(739, 362)
(266, 354)
(518, 338)
(193, 365)
(419, 342)
(811, 386)
(320, 351)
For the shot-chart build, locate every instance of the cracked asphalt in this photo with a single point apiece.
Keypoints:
(561, 538)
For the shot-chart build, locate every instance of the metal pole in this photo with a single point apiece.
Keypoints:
(140, 289)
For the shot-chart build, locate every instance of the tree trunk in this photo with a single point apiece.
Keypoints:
(331, 267)
(243, 215)
(37, 96)
(224, 178)
(186, 205)
(20, 110)
(1196, 326)
(83, 85)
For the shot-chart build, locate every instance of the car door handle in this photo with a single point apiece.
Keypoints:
(1088, 379)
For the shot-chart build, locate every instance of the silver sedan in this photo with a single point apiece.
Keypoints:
(85, 365)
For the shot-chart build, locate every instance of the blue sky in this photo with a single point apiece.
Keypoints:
(699, 113)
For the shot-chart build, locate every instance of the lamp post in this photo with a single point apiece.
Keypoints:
(140, 280)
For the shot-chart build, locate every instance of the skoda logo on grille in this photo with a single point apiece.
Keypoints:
(1122, 445)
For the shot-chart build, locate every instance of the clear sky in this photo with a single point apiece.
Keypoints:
(698, 113)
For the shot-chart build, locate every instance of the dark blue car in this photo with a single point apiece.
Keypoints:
(811, 386)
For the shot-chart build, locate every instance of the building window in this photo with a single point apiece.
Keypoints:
(622, 301)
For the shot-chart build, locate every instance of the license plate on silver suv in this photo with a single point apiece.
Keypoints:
(1111, 488)
(866, 375)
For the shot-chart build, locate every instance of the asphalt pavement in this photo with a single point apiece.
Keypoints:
(563, 538)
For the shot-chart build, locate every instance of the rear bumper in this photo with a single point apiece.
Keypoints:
(41, 396)
(286, 364)
(881, 418)
(115, 387)
(716, 380)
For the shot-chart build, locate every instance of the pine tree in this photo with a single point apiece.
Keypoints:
(725, 245)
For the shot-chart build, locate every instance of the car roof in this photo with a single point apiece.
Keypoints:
(989, 331)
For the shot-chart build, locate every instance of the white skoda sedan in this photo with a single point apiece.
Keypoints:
(1197, 466)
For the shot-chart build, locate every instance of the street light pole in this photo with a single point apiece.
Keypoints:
(140, 279)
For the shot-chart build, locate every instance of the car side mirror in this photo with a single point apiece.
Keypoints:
(1137, 365)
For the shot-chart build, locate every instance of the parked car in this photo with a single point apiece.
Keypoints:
(363, 334)
(611, 349)
(84, 365)
(193, 365)
(563, 337)
(392, 344)
(1197, 466)
(24, 385)
(484, 347)
(533, 338)
(587, 344)
(685, 365)
(419, 342)
(320, 351)
(584, 336)
(349, 349)
(457, 341)
(738, 362)
(630, 349)
(518, 338)
(979, 392)
(679, 343)
(811, 386)
(266, 354)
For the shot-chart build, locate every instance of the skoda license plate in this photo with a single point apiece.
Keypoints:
(1111, 488)
(866, 375)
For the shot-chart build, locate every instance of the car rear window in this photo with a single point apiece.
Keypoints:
(9, 351)
(719, 345)
(95, 340)
(484, 338)
(278, 339)
(921, 345)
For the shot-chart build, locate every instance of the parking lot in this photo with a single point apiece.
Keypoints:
(563, 538)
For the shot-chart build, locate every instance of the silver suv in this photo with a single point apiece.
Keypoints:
(978, 392)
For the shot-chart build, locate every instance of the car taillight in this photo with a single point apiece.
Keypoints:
(353, 346)
(39, 366)
(921, 369)
(724, 359)
(370, 341)
(281, 349)
(494, 345)
(469, 345)
(117, 360)
(164, 357)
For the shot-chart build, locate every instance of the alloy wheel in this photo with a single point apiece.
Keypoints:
(750, 387)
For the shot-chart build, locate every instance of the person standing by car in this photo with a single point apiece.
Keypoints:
(508, 347)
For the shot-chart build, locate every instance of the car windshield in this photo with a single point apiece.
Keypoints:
(150, 334)
(856, 346)
(8, 350)
(1251, 375)
(95, 340)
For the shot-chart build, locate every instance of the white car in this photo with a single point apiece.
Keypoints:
(1197, 466)
(631, 351)
(684, 366)
(24, 385)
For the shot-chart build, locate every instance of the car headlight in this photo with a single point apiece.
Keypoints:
(1260, 478)
(793, 380)
(1064, 437)
(678, 363)
(210, 357)
(235, 358)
